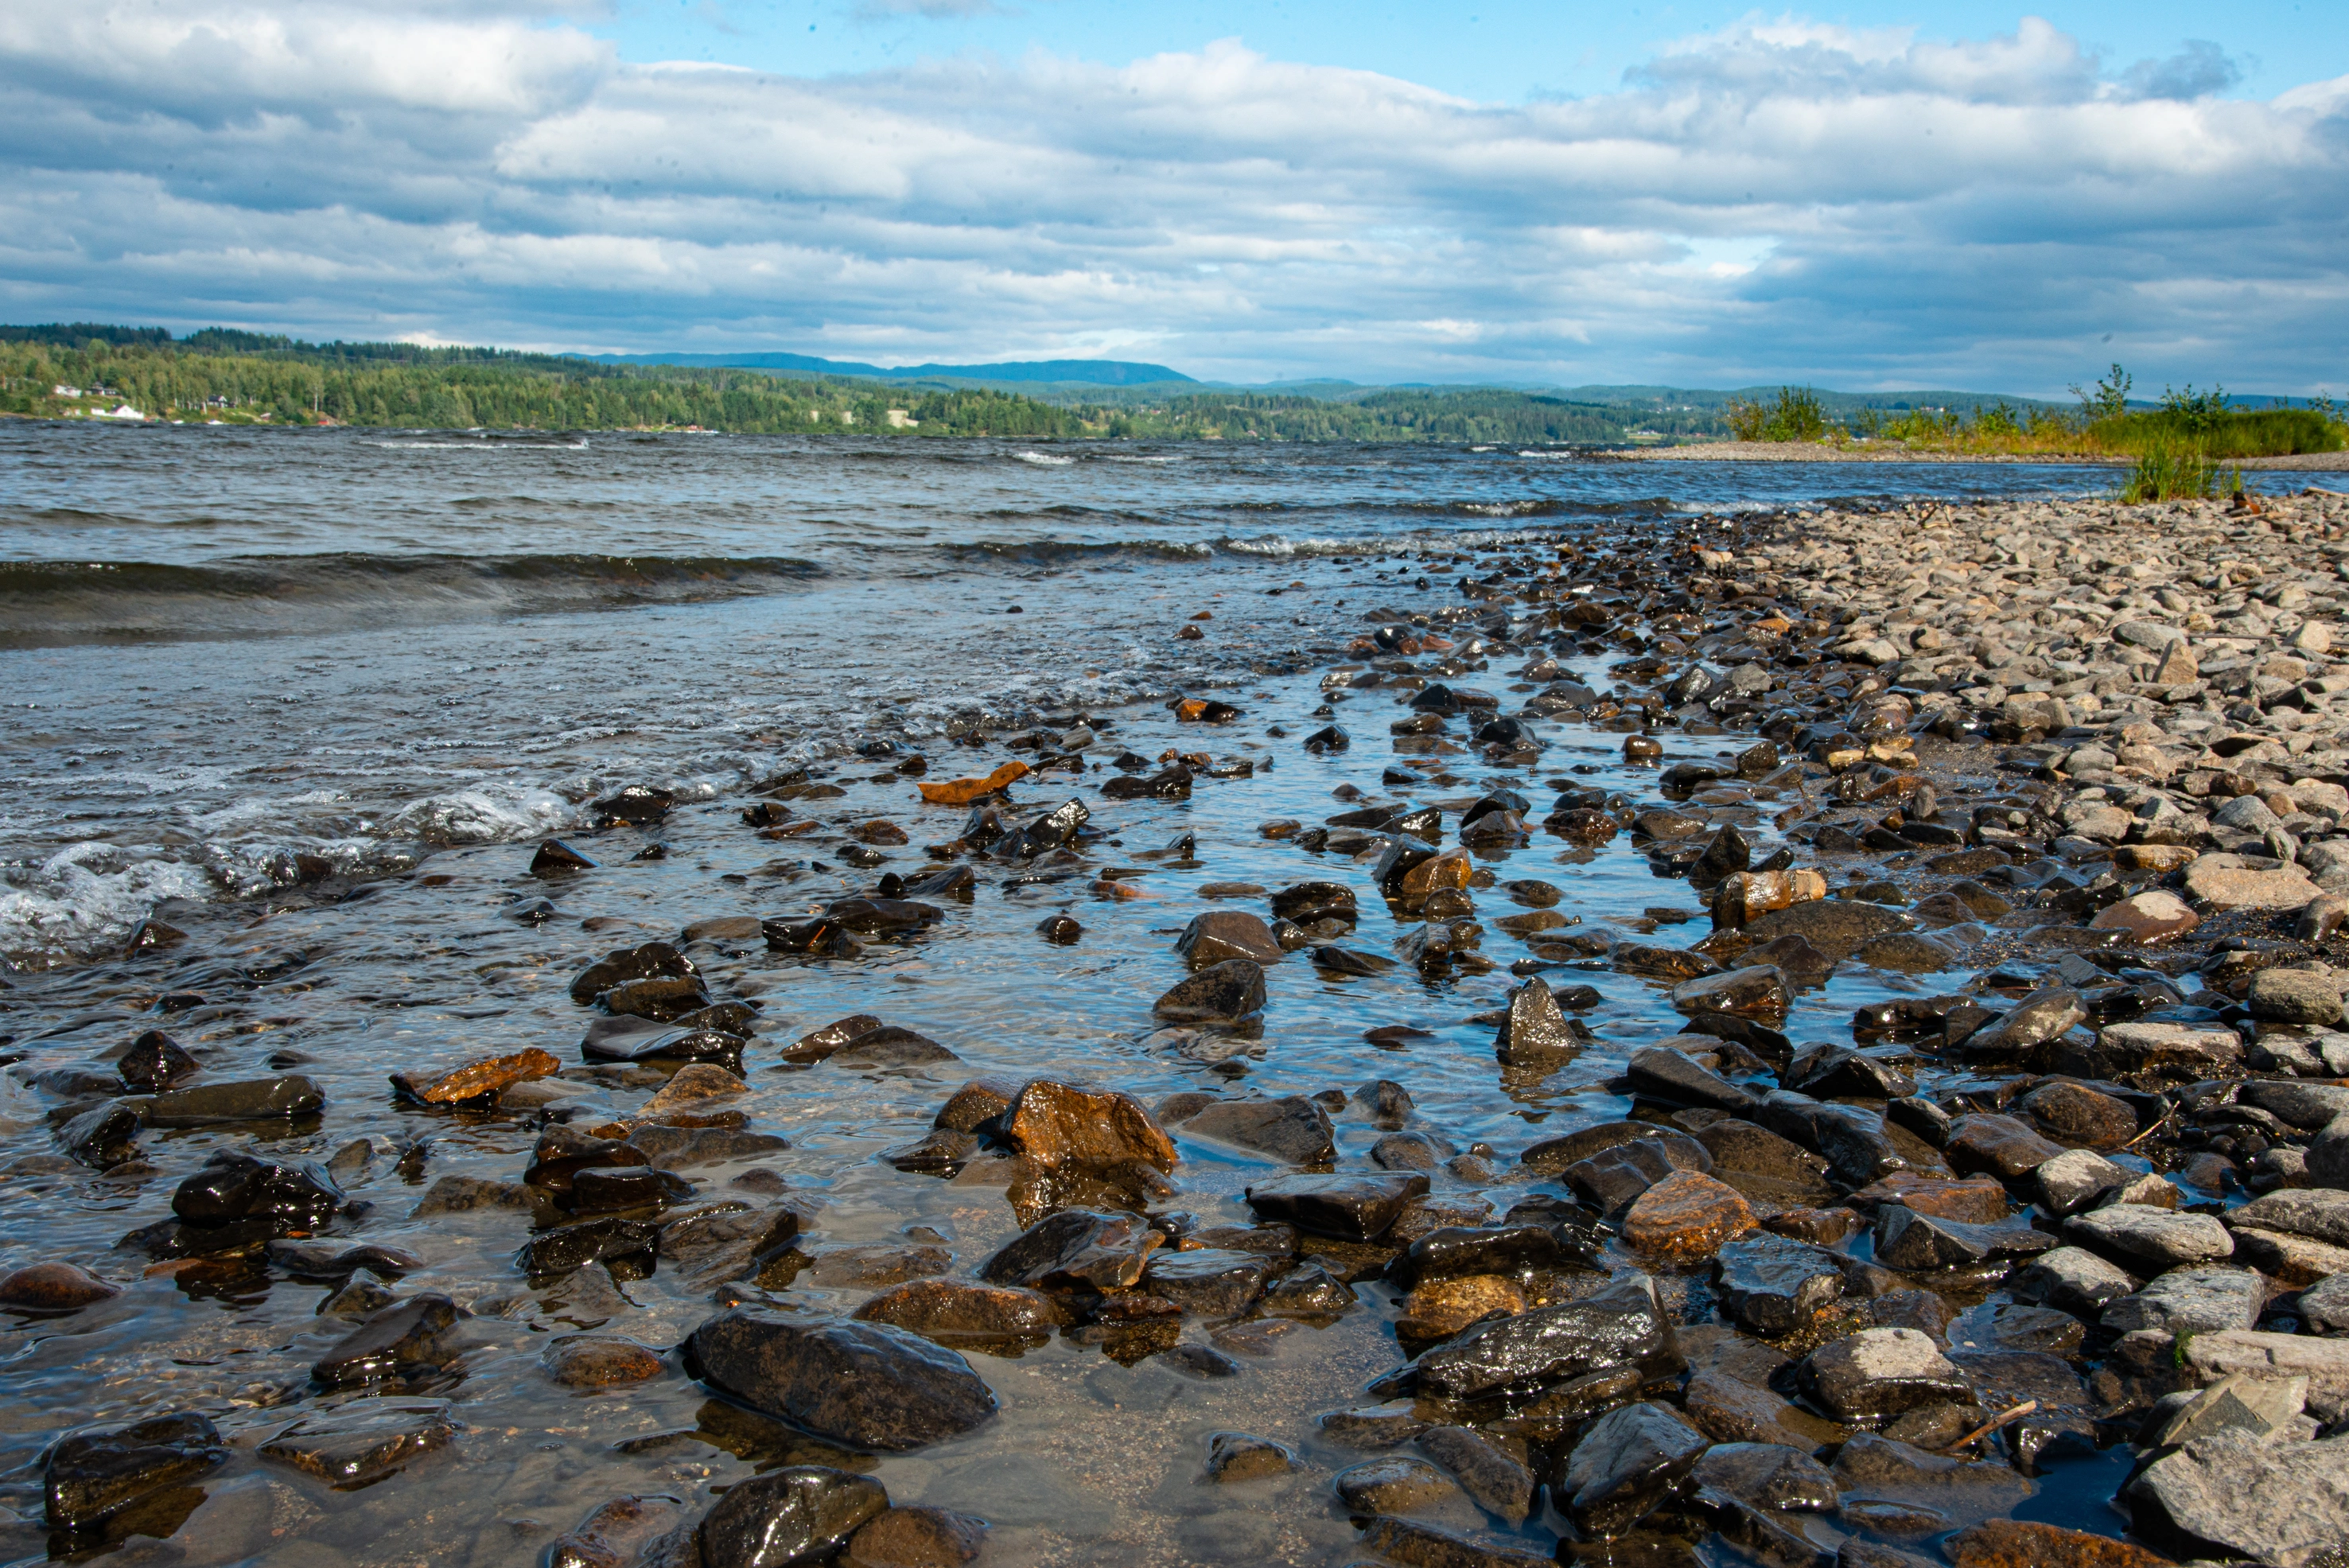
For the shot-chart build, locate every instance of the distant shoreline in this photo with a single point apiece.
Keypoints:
(1821, 452)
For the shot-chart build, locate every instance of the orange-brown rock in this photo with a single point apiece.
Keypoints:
(54, 1287)
(692, 1084)
(962, 791)
(1443, 1307)
(477, 1078)
(1976, 1200)
(2016, 1543)
(1448, 870)
(1058, 1127)
(1687, 1215)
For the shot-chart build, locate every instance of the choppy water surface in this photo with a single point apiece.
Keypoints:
(423, 706)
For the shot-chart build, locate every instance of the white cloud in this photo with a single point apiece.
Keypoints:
(1778, 200)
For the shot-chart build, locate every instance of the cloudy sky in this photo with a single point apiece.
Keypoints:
(1900, 194)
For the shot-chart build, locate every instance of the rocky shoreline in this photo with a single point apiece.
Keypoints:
(1878, 452)
(2062, 1211)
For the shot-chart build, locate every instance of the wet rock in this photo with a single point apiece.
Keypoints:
(1438, 1309)
(53, 1287)
(556, 858)
(2074, 1178)
(1223, 934)
(977, 1106)
(2018, 1543)
(956, 1312)
(1623, 1465)
(2074, 1280)
(2080, 1115)
(1235, 1457)
(1497, 1480)
(615, 1188)
(1773, 1286)
(1075, 1250)
(1534, 1029)
(1770, 1476)
(1418, 1544)
(916, 1538)
(413, 1337)
(1686, 1215)
(1294, 1129)
(2156, 916)
(864, 1383)
(1878, 1373)
(1058, 1127)
(1881, 1469)
(154, 1062)
(2150, 1235)
(1660, 1072)
(1835, 927)
(471, 1195)
(598, 1360)
(1350, 1206)
(1915, 1242)
(2266, 1356)
(102, 1135)
(250, 1100)
(680, 1149)
(800, 1513)
(561, 1152)
(2000, 1144)
(1222, 993)
(97, 1471)
(1758, 990)
(634, 1040)
(1304, 903)
(1455, 1249)
(2171, 1050)
(2239, 1495)
(1209, 1281)
(567, 1248)
(325, 1260)
(1309, 1291)
(1852, 1139)
(940, 1152)
(362, 1442)
(2042, 1016)
(1619, 1330)
(476, 1079)
(617, 1535)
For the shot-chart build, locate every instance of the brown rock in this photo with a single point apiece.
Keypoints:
(1221, 934)
(2153, 857)
(1443, 1307)
(1976, 1200)
(598, 1361)
(977, 1103)
(953, 1309)
(1450, 869)
(2224, 882)
(2080, 1115)
(1687, 1215)
(2000, 1144)
(694, 1084)
(2016, 1543)
(477, 1078)
(2149, 917)
(916, 1538)
(1058, 1126)
(54, 1287)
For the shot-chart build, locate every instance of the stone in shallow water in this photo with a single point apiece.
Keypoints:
(598, 1360)
(1443, 1307)
(409, 1337)
(864, 1383)
(1348, 1207)
(1768, 1475)
(1393, 1485)
(1058, 1127)
(1622, 1328)
(1686, 1215)
(1999, 1145)
(1293, 1129)
(1221, 934)
(1234, 1456)
(615, 1535)
(1209, 1281)
(2074, 1280)
(1756, 992)
(2160, 1236)
(255, 1099)
(800, 1513)
(1223, 992)
(53, 1287)
(1881, 1469)
(1909, 1241)
(362, 1442)
(1773, 1286)
(100, 1470)
(1623, 1464)
(1075, 1249)
(957, 1311)
(1495, 1477)
(1881, 1372)
(916, 1538)
(2020, 1543)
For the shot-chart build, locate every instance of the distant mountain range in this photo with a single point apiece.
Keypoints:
(1090, 372)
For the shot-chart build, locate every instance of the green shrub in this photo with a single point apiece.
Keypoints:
(2228, 433)
(1795, 416)
(2173, 470)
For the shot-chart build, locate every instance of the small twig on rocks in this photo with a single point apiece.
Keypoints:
(2156, 1127)
(1992, 1424)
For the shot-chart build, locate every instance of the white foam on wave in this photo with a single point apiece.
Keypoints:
(1281, 547)
(1112, 457)
(483, 813)
(1044, 459)
(88, 894)
(579, 445)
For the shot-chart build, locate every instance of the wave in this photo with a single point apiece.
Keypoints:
(1045, 459)
(486, 443)
(47, 604)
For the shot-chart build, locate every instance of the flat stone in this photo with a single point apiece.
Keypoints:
(2171, 1050)
(2250, 1353)
(801, 1514)
(1771, 1476)
(477, 1078)
(1394, 1485)
(1623, 1466)
(2000, 1144)
(96, 1472)
(1234, 1456)
(361, 1442)
(1730, 1409)
(1881, 1372)
(2259, 1406)
(2319, 1213)
(2225, 882)
(1773, 1286)
(1758, 990)
(1835, 927)
(916, 1538)
(404, 1339)
(2021, 1543)
(2295, 996)
(1659, 1073)
(1873, 1468)
(53, 1287)
(598, 1360)
(2076, 1177)
(622, 1533)
(2236, 1494)
(868, 1385)
(955, 1312)
(253, 1099)
(2157, 916)
(2191, 1301)
(2156, 1236)
(1209, 1281)
(1686, 1215)
(2073, 1279)
(1441, 1308)
(1913, 1241)
(2080, 1116)
(1350, 1206)
(1294, 1129)
(472, 1194)
(1418, 1544)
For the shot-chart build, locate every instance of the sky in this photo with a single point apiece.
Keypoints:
(1904, 193)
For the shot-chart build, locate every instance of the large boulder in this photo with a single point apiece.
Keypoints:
(2237, 1494)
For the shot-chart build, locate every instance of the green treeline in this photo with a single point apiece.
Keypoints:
(235, 377)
